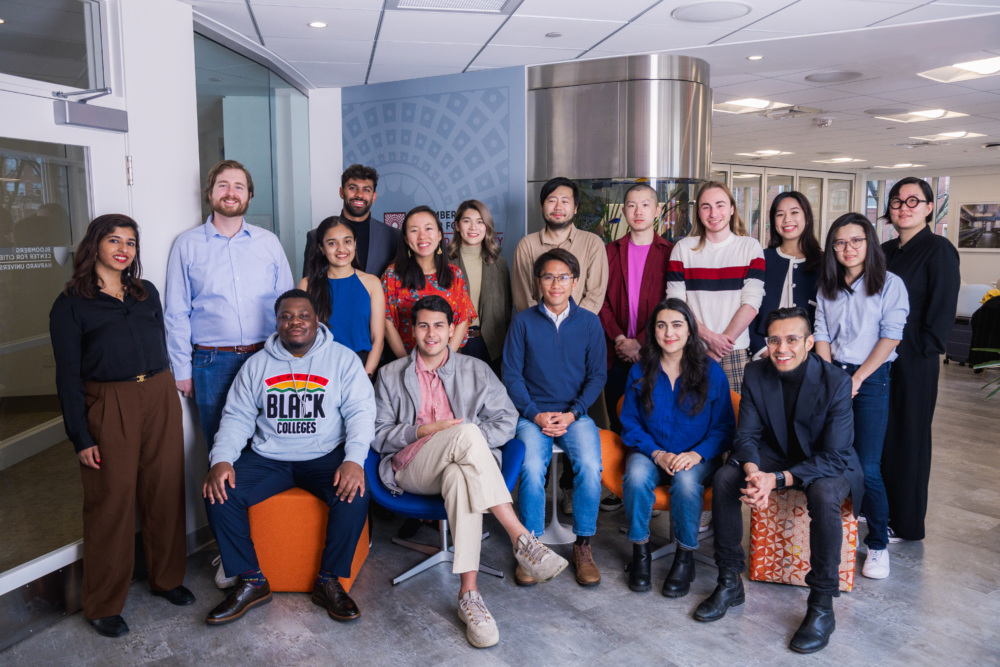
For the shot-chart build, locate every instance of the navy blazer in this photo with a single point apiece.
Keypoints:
(803, 294)
(382, 242)
(824, 423)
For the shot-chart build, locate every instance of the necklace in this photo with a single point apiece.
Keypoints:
(120, 294)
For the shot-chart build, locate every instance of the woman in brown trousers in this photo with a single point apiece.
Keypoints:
(123, 416)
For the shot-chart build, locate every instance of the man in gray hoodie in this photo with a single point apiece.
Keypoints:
(308, 409)
(441, 420)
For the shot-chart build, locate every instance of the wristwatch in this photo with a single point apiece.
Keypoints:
(779, 482)
(576, 414)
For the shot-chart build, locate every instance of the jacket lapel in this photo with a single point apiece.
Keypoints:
(806, 404)
(774, 405)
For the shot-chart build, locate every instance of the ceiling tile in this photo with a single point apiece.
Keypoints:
(768, 89)
(424, 53)
(642, 38)
(293, 22)
(597, 10)
(496, 55)
(531, 31)
(382, 73)
(660, 14)
(448, 27)
(332, 75)
(232, 16)
(321, 50)
(371, 5)
(936, 13)
(812, 16)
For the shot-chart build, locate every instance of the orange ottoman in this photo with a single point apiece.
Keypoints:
(779, 541)
(288, 532)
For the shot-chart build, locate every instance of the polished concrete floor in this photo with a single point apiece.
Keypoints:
(940, 605)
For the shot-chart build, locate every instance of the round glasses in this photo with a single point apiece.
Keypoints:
(911, 202)
(856, 242)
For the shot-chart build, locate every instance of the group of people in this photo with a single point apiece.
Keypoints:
(435, 355)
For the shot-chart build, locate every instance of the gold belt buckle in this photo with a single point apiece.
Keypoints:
(140, 378)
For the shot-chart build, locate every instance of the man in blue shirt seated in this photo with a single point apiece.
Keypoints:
(795, 430)
(307, 407)
(554, 367)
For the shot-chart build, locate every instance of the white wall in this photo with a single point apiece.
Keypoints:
(326, 152)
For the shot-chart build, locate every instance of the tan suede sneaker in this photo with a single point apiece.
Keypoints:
(536, 560)
(587, 573)
(522, 578)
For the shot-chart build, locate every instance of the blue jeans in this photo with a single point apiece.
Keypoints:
(582, 444)
(687, 489)
(871, 416)
(213, 374)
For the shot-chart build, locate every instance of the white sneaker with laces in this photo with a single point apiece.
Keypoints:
(221, 580)
(537, 559)
(481, 628)
(876, 564)
(706, 521)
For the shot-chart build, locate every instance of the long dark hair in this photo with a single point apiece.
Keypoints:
(832, 280)
(84, 283)
(411, 276)
(807, 242)
(317, 287)
(489, 249)
(694, 363)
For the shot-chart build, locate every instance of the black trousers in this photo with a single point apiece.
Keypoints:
(906, 455)
(614, 389)
(824, 498)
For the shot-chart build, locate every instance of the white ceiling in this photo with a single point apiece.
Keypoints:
(887, 41)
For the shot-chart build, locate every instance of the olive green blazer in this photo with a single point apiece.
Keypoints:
(495, 303)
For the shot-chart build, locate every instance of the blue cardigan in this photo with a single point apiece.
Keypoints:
(803, 294)
(550, 370)
(670, 427)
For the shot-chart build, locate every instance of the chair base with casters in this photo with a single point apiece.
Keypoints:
(414, 506)
(555, 531)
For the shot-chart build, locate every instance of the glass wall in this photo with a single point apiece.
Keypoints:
(601, 202)
(877, 193)
(248, 113)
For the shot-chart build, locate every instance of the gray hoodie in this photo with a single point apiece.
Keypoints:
(298, 408)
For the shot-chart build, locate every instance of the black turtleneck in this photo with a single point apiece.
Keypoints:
(791, 385)
(362, 235)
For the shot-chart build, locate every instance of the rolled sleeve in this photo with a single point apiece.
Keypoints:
(895, 308)
(820, 330)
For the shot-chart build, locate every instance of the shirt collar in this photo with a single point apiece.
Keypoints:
(552, 316)
(919, 236)
(422, 367)
(211, 231)
(569, 239)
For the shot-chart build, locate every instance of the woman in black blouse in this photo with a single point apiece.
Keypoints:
(928, 265)
(123, 416)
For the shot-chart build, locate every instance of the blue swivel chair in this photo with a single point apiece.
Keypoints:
(413, 506)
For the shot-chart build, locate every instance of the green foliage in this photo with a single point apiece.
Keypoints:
(990, 364)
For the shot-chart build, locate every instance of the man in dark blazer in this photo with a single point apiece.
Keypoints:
(624, 336)
(795, 429)
(375, 242)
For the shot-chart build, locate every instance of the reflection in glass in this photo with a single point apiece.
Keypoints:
(601, 202)
(747, 191)
(44, 212)
(776, 184)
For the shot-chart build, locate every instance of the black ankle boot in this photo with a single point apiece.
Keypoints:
(729, 593)
(817, 626)
(639, 579)
(678, 582)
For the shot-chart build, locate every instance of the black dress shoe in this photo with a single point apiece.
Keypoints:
(678, 581)
(243, 597)
(177, 595)
(338, 603)
(110, 626)
(817, 626)
(729, 593)
(639, 579)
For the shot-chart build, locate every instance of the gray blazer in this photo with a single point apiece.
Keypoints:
(382, 242)
(495, 305)
(476, 395)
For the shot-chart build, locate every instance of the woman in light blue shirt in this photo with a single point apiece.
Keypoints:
(860, 317)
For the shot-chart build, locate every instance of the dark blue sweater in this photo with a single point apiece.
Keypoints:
(549, 370)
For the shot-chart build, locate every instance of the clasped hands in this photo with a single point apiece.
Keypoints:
(627, 349)
(759, 486)
(719, 345)
(554, 424)
(672, 463)
(349, 480)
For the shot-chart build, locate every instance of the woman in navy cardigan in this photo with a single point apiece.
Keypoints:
(791, 264)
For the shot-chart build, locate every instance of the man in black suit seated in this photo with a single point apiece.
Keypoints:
(374, 241)
(795, 429)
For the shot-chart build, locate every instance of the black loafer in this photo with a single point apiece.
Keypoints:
(177, 595)
(242, 599)
(338, 603)
(110, 626)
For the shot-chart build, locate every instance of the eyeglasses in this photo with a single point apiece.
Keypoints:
(562, 280)
(911, 202)
(775, 341)
(856, 242)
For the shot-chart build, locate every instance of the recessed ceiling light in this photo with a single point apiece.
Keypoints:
(973, 69)
(944, 136)
(901, 165)
(765, 153)
(495, 7)
(710, 12)
(317, 24)
(2, 21)
(553, 34)
(755, 57)
(914, 116)
(748, 105)
(834, 77)
(839, 160)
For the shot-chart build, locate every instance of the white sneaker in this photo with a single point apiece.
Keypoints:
(481, 628)
(706, 521)
(895, 539)
(221, 580)
(876, 564)
(540, 562)
(566, 501)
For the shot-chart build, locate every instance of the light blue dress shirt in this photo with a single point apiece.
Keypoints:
(221, 291)
(854, 322)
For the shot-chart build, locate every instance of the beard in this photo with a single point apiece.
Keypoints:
(229, 210)
(358, 213)
(556, 226)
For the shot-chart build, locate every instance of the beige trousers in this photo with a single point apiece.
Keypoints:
(457, 464)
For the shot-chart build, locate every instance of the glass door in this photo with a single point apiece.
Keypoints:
(747, 192)
(778, 181)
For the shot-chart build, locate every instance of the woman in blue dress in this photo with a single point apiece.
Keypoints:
(349, 301)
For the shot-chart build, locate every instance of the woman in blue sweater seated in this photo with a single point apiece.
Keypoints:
(677, 418)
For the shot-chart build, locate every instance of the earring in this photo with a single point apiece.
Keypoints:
(409, 252)
(439, 250)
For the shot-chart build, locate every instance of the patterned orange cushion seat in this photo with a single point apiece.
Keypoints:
(289, 531)
(779, 541)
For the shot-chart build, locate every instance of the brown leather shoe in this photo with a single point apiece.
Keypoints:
(522, 578)
(338, 603)
(587, 573)
(243, 597)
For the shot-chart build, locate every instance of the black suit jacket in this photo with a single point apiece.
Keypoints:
(382, 243)
(824, 423)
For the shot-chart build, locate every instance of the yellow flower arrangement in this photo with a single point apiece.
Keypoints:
(989, 295)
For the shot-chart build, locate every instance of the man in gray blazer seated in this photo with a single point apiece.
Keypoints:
(795, 430)
(440, 421)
